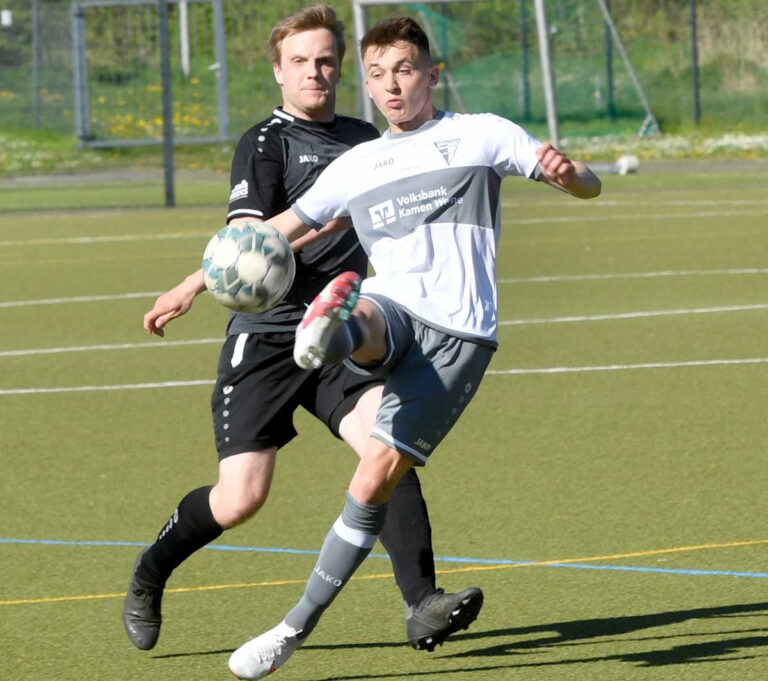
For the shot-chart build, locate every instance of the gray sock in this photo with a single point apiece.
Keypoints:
(347, 544)
(344, 341)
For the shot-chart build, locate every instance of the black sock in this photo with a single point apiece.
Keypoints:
(407, 537)
(191, 527)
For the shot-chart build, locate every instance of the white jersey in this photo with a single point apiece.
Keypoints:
(425, 205)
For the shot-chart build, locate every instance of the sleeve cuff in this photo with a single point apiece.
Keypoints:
(312, 224)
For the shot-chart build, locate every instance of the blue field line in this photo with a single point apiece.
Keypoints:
(438, 559)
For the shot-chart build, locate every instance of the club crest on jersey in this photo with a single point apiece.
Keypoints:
(382, 214)
(447, 148)
(239, 191)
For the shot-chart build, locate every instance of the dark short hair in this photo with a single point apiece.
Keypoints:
(307, 19)
(396, 30)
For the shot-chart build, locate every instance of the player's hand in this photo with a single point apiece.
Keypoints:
(556, 166)
(172, 304)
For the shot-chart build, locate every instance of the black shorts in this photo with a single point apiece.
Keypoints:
(259, 387)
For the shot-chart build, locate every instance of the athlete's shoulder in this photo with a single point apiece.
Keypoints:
(266, 133)
(485, 124)
(361, 139)
(364, 127)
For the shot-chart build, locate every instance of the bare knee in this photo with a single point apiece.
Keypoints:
(379, 471)
(232, 507)
(357, 425)
(243, 486)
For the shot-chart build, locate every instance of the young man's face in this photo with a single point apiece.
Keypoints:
(401, 80)
(308, 73)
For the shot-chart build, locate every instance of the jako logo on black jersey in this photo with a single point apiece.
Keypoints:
(307, 158)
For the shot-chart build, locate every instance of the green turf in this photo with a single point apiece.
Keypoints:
(657, 470)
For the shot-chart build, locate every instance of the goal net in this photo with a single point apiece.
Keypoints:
(490, 61)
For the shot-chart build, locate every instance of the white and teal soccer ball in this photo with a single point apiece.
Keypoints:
(248, 267)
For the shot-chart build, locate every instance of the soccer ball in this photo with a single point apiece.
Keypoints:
(248, 267)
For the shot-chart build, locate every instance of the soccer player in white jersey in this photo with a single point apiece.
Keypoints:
(424, 200)
(259, 386)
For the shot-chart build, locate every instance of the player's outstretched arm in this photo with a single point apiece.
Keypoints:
(290, 225)
(571, 176)
(174, 303)
(338, 225)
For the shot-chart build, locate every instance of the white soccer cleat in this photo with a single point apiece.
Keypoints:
(265, 653)
(330, 308)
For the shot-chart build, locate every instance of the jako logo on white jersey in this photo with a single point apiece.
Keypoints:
(307, 158)
(382, 214)
(383, 164)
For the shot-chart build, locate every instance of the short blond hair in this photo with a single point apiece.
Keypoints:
(307, 19)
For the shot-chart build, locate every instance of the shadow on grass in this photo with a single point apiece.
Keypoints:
(582, 632)
(340, 646)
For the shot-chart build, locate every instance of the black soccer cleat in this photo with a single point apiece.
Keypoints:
(141, 612)
(439, 615)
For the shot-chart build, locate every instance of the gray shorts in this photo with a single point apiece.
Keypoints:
(431, 377)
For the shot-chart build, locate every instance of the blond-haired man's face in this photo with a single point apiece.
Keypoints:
(308, 73)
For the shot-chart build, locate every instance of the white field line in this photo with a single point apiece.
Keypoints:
(117, 346)
(506, 322)
(78, 299)
(603, 202)
(494, 372)
(508, 280)
(633, 275)
(107, 239)
(627, 367)
(100, 388)
(625, 217)
(633, 315)
(122, 238)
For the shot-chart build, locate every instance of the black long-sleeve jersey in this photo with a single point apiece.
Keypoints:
(275, 162)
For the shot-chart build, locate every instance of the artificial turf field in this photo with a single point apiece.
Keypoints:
(606, 488)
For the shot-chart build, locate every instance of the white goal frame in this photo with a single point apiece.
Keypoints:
(360, 18)
(367, 109)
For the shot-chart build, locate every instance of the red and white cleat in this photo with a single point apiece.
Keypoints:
(330, 308)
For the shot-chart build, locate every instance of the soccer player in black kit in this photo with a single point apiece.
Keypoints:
(259, 386)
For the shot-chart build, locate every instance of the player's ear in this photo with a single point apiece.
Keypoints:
(434, 76)
(278, 73)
